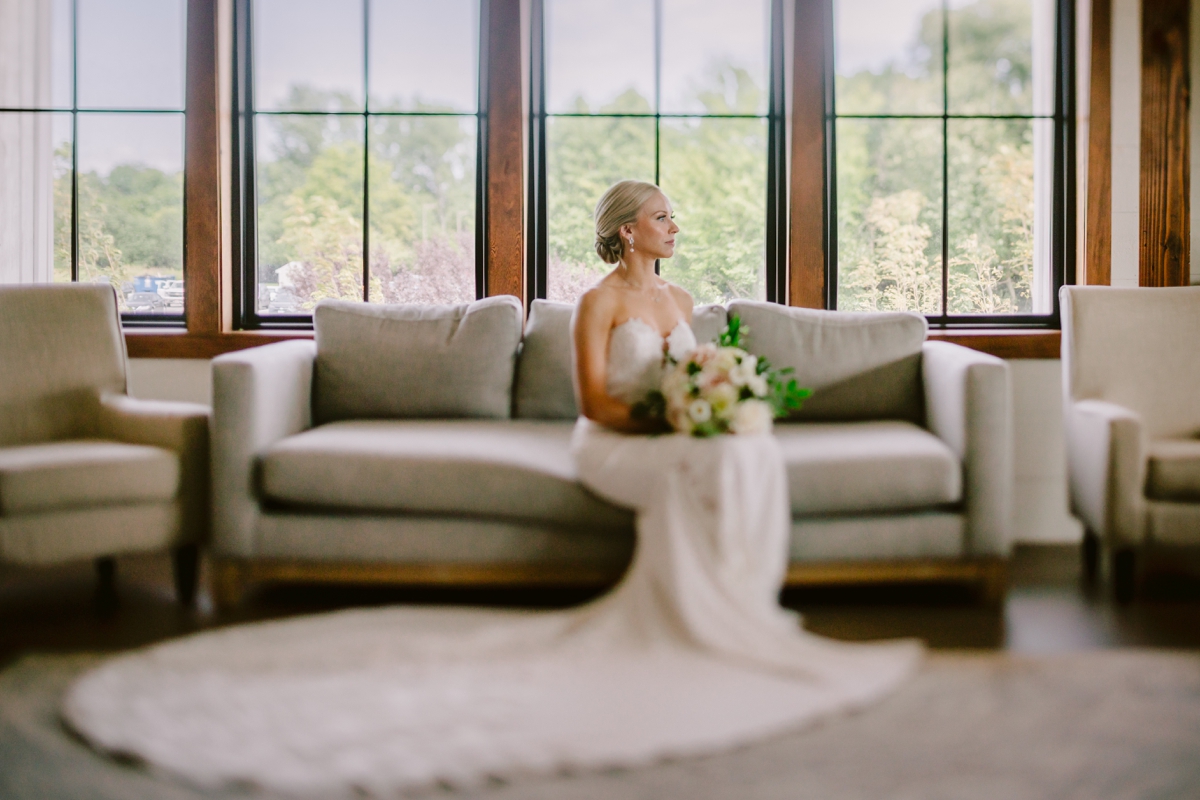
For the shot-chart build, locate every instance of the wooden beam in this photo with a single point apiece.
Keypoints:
(144, 343)
(1165, 157)
(1098, 247)
(202, 173)
(504, 209)
(806, 248)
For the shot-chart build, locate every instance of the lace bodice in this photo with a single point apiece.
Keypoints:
(635, 357)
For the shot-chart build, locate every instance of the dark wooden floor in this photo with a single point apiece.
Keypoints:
(1048, 609)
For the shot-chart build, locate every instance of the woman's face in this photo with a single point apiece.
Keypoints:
(654, 231)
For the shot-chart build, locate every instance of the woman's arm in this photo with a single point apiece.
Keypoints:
(590, 328)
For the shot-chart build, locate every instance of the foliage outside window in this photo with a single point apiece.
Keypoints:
(360, 125)
(669, 91)
(944, 137)
(91, 122)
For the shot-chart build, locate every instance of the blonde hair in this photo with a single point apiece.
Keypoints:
(619, 206)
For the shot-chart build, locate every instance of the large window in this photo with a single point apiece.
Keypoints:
(91, 148)
(358, 136)
(684, 93)
(952, 145)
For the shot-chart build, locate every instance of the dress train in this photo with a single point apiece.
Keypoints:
(690, 654)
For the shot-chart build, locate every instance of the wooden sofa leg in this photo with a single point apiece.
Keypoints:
(106, 579)
(1091, 556)
(228, 583)
(1124, 575)
(185, 566)
(993, 584)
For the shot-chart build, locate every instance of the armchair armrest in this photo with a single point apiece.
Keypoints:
(968, 405)
(1106, 462)
(260, 396)
(180, 427)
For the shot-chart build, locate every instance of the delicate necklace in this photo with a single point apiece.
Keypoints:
(655, 293)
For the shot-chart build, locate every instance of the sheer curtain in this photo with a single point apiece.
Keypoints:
(26, 143)
(1043, 156)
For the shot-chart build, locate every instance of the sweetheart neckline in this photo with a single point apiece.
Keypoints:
(663, 336)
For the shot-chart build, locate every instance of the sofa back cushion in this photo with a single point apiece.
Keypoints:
(708, 322)
(61, 347)
(406, 361)
(544, 386)
(859, 365)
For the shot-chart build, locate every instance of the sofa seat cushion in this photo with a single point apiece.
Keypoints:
(81, 473)
(1174, 470)
(859, 467)
(517, 469)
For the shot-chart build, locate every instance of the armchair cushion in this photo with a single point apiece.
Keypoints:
(863, 467)
(76, 474)
(378, 362)
(509, 470)
(60, 348)
(859, 366)
(1174, 470)
(1126, 347)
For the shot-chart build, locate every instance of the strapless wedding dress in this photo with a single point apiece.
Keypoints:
(689, 654)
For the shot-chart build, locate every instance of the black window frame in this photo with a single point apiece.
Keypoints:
(537, 250)
(244, 206)
(1062, 232)
(128, 320)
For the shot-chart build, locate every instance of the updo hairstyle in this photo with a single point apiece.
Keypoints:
(619, 206)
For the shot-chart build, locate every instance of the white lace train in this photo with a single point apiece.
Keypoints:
(689, 654)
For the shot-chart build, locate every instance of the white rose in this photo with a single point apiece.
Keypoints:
(726, 359)
(744, 372)
(752, 416)
(722, 396)
(758, 385)
(700, 411)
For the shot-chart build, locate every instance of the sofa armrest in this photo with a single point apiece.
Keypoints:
(260, 396)
(968, 405)
(1106, 462)
(179, 427)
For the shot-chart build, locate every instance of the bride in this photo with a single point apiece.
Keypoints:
(689, 654)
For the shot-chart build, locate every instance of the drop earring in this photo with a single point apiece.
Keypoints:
(631, 244)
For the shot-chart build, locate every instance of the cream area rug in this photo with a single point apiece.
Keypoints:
(1093, 725)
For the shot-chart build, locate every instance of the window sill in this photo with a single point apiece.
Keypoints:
(1027, 343)
(166, 343)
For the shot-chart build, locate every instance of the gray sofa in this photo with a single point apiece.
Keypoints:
(431, 445)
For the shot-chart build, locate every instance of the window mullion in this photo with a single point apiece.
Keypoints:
(945, 158)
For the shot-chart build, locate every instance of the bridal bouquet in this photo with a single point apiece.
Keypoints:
(721, 388)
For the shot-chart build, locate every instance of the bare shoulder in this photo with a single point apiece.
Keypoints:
(682, 298)
(597, 305)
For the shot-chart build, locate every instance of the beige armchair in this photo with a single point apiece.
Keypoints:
(85, 470)
(1131, 384)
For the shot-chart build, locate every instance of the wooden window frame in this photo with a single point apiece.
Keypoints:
(208, 305)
